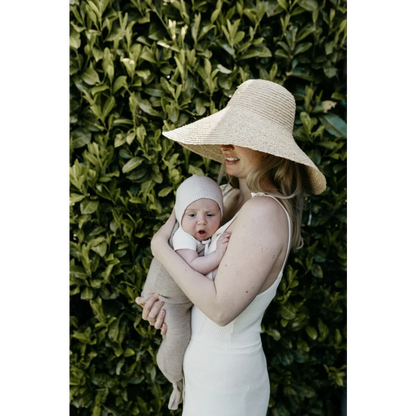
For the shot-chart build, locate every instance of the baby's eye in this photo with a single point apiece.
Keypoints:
(191, 215)
(210, 215)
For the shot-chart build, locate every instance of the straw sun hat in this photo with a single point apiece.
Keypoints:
(260, 115)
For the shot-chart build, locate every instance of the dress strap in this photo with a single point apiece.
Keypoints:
(226, 191)
(253, 194)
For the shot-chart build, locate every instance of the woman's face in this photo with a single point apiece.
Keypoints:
(240, 161)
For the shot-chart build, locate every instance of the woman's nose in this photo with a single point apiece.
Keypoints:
(226, 147)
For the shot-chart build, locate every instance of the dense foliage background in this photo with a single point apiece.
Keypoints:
(138, 67)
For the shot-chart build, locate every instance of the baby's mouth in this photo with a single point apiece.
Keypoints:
(202, 233)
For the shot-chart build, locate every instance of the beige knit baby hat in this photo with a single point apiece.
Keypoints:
(260, 115)
(194, 188)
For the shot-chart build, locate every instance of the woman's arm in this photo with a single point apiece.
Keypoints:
(210, 262)
(258, 237)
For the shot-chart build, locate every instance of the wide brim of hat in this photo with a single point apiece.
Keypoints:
(239, 127)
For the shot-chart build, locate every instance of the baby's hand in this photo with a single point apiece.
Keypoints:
(222, 243)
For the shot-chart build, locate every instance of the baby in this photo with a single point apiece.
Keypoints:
(198, 210)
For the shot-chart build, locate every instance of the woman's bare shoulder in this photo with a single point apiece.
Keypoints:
(262, 217)
(264, 205)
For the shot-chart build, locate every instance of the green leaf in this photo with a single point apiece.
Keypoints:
(338, 96)
(316, 270)
(257, 52)
(334, 125)
(194, 170)
(147, 108)
(309, 5)
(281, 53)
(100, 249)
(287, 312)
(329, 47)
(239, 36)
(337, 168)
(338, 337)
(155, 92)
(99, 88)
(88, 206)
(108, 106)
(285, 47)
(303, 75)
(90, 77)
(214, 15)
(130, 137)
(119, 82)
(330, 72)
(114, 330)
(79, 272)
(129, 352)
(83, 337)
(80, 137)
(303, 47)
(165, 191)
(87, 294)
(148, 55)
(274, 333)
(119, 140)
(143, 73)
(76, 198)
(75, 39)
(225, 46)
(312, 332)
(223, 69)
(328, 144)
(282, 4)
(323, 330)
(157, 177)
(305, 31)
(132, 164)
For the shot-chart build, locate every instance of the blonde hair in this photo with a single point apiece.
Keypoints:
(289, 178)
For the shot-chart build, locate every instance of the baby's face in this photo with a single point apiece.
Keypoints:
(201, 218)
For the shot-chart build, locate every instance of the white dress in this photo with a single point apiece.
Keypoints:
(225, 367)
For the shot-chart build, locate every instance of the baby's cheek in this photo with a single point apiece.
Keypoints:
(217, 226)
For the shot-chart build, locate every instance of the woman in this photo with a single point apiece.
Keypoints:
(224, 366)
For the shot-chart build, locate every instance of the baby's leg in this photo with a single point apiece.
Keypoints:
(172, 349)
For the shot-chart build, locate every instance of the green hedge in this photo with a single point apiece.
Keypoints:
(138, 67)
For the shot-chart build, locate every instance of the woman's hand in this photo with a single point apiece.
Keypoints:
(161, 238)
(153, 312)
(152, 309)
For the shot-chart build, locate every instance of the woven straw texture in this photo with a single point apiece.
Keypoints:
(260, 116)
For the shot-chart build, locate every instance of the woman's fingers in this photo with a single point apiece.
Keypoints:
(153, 313)
(151, 308)
(172, 219)
(139, 301)
(160, 319)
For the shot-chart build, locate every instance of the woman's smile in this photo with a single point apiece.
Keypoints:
(239, 161)
(231, 160)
